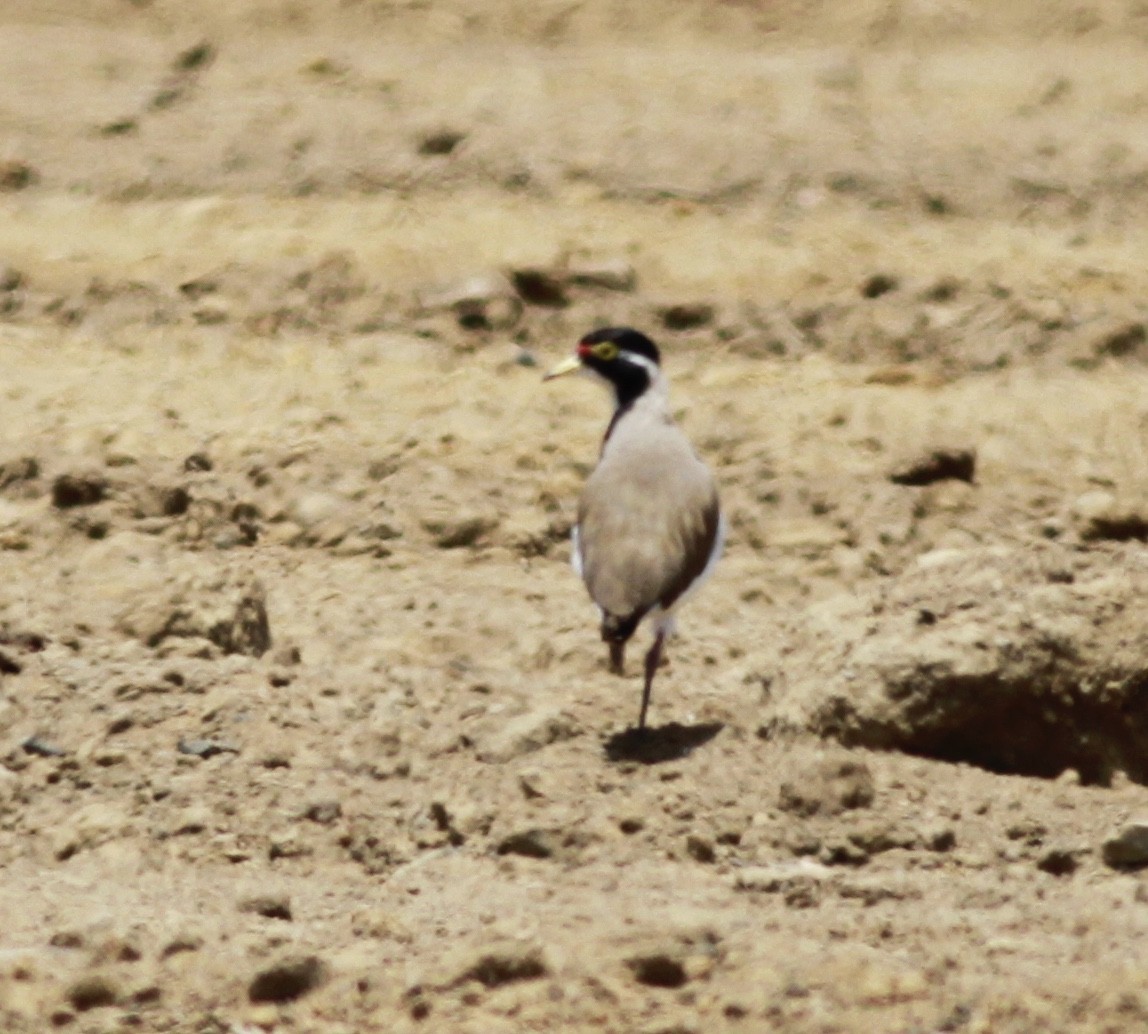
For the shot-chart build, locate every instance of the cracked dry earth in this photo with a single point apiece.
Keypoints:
(304, 723)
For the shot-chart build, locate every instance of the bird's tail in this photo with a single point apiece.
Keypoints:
(619, 629)
(616, 631)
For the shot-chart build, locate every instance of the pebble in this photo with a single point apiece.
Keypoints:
(440, 142)
(288, 979)
(494, 966)
(198, 461)
(1121, 340)
(940, 464)
(205, 748)
(17, 175)
(460, 532)
(22, 468)
(606, 274)
(1059, 861)
(686, 315)
(92, 991)
(658, 969)
(878, 284)
(525, 734)
(828, 786)
(11, 279)
(41, 748)
(71, 490)
(700, 848)
(1128, 848)
(270, 906)
(323, 812)
(530, 843)
(541, 287)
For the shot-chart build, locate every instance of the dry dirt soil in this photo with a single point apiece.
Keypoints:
(304, 722)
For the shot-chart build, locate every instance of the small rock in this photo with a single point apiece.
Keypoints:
(461, 532)
(781, 877)
(92, 991)
(1128, 849)
(380, 923)
(191, 821)
(314, 508)
(937, 465)
(828, 786)
(686, 315)
(198, 461)
(1059, 861)
(658, 969)
(69, 490)
(439, 142)
(530, 843)
(232, 615)
(270, 906)
(182, 942)
(41, 748)
(879, 836)
(17, 175)
(878, 284)
(700, 849)
(1099, 517)
(15, 471)
(608, 274)
(939, 838)
(90, 826)
(525, 734)
(114, 948)
(502, 964)
(198, 56)
(1122, 340)
(288, 980)
(200, 748)
(541, 287)
(119, 127)
(324, 812)
(838, 851)
(11, 279)
(67, 939)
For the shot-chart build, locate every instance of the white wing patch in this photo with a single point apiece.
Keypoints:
(576, 551)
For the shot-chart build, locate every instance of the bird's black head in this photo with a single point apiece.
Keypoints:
(623, 356)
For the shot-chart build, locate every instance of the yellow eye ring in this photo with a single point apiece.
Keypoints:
(607, 351)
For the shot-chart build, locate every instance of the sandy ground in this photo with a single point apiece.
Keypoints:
(304, 723)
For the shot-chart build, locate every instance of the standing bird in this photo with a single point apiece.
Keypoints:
(649, 526)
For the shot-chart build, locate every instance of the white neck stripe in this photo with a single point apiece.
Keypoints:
(635, 359)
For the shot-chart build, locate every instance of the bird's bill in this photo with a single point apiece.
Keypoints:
(570, 365)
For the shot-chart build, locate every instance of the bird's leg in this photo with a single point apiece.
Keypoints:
(652, 659)
(618, 656)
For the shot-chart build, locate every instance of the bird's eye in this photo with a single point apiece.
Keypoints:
(607, 351)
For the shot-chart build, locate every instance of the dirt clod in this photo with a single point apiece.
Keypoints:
(92, 992)
(1128, 847)
(270, 906)
(937, 465)
(288, 979)
(71, 490)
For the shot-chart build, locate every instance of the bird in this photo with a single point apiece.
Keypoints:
(649, 527)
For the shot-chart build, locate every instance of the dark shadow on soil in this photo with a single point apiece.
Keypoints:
(654, 745)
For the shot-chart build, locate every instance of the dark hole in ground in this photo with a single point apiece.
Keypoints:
(1024, 731)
